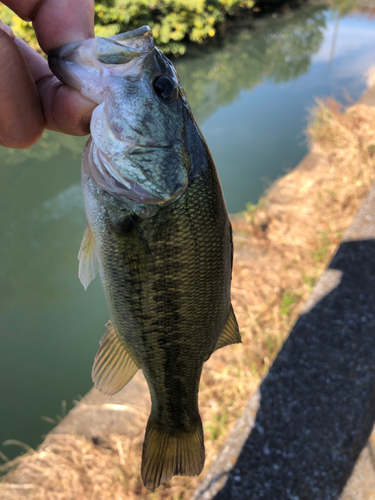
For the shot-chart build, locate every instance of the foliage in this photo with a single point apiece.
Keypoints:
(343, 7)
(174, 22)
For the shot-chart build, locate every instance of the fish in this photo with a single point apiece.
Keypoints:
(158, 234)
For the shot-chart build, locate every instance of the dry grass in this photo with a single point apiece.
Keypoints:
(281, 247)
(297, 226)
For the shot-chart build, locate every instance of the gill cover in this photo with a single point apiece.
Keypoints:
(137, 150)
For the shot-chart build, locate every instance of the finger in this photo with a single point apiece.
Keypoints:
(38, 66)
(57, 22)
(21, 116)
(65, 109)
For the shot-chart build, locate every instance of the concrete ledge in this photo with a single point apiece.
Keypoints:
(96, 416)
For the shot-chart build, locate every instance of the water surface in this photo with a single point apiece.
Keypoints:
(251, 93)
(252, 97)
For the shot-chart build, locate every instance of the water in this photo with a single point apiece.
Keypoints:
(251, 94)
(253, 97)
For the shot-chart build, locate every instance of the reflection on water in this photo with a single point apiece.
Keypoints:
(250, 94)
(278, 48)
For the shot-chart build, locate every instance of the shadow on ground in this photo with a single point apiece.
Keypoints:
(317, 404)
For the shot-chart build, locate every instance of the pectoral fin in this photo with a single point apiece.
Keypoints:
(113, 366)
(88, 260)
(230, 334)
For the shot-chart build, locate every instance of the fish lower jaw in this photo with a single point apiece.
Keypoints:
(105, 172)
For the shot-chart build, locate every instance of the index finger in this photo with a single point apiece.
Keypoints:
(56, 22)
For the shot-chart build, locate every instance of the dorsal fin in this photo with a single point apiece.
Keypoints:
(230, 333)
(113, 366)
(88, 260)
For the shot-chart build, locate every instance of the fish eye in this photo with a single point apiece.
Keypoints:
(164, 87)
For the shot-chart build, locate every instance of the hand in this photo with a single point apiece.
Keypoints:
(31, 98)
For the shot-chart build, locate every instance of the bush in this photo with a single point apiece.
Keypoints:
(173, 22)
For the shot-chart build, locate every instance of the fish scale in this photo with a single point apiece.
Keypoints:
(158, 233)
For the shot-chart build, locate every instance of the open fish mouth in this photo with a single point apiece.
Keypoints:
(119, 49)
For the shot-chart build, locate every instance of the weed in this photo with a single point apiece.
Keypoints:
(287, 301)
(309, 280)
(252, 209)
(58, 418)
(217, 427)
(320, 254)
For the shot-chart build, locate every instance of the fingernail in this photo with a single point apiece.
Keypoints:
(7, 29)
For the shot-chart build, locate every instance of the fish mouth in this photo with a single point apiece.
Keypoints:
(138, 40)
(76, 63)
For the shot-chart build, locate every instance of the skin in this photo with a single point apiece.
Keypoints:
(31, 98)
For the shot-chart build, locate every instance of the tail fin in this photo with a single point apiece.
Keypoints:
(170, 453)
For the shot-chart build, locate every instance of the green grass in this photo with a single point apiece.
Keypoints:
(217, 427)
(287, 301)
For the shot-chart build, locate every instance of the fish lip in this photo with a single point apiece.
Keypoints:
(131, 34)
(67, 50)
(64, 51)
(77, 62)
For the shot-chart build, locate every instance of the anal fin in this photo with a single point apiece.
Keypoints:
(113, 366)
(88, 260)
(230, 333)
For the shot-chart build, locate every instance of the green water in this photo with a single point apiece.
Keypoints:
(250, 93)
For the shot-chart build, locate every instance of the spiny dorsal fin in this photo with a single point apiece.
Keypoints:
(168, 453)
(230, 334)
(88, 260)
(113, 366)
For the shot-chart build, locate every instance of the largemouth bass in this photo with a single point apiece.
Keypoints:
(159, 235)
